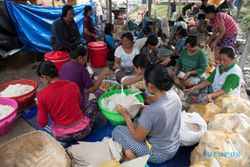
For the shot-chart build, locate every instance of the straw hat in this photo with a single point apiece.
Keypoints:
(36, 148)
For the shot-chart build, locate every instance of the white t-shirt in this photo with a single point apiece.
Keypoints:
(139, 43)
(126, 59)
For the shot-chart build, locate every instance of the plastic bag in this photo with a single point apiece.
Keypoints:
(232, 104)
(231, 123)
(207, 163)
(111, 163)
(93, 154)
(230, 150)
(206, 111)
(193, 127)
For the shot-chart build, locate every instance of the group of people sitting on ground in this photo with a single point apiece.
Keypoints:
(65, 99)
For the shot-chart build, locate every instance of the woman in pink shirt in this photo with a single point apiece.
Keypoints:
(225, 29)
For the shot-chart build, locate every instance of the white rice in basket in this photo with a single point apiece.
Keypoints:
(16, 90)
(5, 110)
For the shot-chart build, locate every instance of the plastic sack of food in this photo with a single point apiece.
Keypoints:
(93, 154)
(230, 150)
(232, 104)
(207, 111)
(207, 163)
(231, 123)
(193, 127)
(111, 163)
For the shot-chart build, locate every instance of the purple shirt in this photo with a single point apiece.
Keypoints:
(77, 73)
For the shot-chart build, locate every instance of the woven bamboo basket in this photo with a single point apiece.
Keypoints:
(34, 149)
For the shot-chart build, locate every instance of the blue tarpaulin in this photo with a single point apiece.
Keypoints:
(33, 24)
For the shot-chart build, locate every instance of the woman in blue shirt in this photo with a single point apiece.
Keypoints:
(111, 42)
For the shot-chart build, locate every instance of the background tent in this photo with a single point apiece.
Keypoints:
(33, 24)
(8, 35)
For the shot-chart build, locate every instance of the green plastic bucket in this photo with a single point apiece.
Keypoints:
(114, 117)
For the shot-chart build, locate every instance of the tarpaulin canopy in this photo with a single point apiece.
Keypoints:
(8, 34)
(33, 24)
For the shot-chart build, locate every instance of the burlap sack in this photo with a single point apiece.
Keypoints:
(206, 111)
(231, 123)
(232, 104)
(230, 150)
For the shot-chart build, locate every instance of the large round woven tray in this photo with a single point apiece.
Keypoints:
(34, 149)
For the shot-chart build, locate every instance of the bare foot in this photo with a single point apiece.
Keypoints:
(129, 155)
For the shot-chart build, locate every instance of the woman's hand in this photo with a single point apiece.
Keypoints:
(116, 66)
(166, 61)
(213, 45)
(174, 73)
(105, 72)
(188, 91)
(208, 98)
(207, 43)
(120, 109)
(187, 75)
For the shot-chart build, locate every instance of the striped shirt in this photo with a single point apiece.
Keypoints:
(231, 27)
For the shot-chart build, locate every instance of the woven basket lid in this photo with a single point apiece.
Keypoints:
(36, 148)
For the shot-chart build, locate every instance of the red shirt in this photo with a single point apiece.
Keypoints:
(88, 23)
(61, 100)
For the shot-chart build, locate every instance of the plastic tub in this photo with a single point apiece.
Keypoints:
(114, 117)
(25, 100)
(98, 53)
(6, 123)
(58, 58)
(165, 52)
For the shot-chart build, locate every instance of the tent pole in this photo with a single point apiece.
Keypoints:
(246, 51)
(168, 15)
(127, 12)
(149, 7)
(179, 6)
(109, 9)
(238, 10)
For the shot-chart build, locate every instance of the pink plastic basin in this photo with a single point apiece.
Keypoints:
(6, 123)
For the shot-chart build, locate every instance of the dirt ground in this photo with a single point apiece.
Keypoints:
(22, 65)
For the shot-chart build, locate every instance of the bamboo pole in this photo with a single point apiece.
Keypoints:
(238, 10)
(246, 52)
